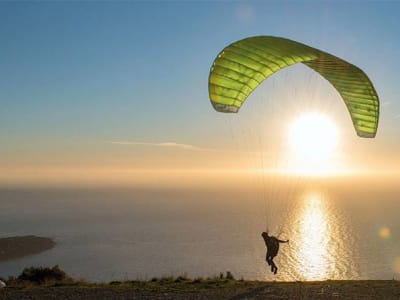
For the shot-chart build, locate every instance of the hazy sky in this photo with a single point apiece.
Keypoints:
(123, 85)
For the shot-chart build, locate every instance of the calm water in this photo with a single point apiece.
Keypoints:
(337, 230)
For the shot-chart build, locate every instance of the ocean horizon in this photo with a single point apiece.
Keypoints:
(337, 230)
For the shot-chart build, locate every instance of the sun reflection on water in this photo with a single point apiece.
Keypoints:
(314, 233)
(321, 244)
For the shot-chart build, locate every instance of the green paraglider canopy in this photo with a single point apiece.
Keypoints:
(245, 64)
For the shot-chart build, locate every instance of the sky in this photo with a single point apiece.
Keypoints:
(118, 89)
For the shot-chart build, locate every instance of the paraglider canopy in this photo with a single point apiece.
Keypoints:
(242, 66)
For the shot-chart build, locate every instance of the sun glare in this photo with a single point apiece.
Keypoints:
(313, 136)
(313, 139)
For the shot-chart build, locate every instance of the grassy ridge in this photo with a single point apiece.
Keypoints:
(53, 283)
(39, 277)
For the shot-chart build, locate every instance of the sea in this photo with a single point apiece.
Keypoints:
(342, 228)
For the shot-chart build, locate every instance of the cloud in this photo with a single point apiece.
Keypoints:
(163, 144)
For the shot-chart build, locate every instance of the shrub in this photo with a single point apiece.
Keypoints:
(181, 278)
(197, 280)
(229, 276)
(43, 274)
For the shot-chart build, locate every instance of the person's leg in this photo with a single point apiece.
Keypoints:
(272, 264)
(268, 258)
(274, 269)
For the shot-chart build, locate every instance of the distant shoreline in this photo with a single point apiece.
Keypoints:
(20, 246)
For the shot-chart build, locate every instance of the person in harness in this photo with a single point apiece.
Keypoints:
(272, 244)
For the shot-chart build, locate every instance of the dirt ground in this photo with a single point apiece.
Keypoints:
(235, 290)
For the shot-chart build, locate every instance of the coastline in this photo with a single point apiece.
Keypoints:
(20, 246)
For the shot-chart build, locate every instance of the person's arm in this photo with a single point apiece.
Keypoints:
(280, 241)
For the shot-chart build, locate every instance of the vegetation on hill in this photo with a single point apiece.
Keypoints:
(42, 283)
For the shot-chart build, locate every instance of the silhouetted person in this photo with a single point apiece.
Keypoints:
(272, 244)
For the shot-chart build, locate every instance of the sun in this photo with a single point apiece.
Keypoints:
(313, 138)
